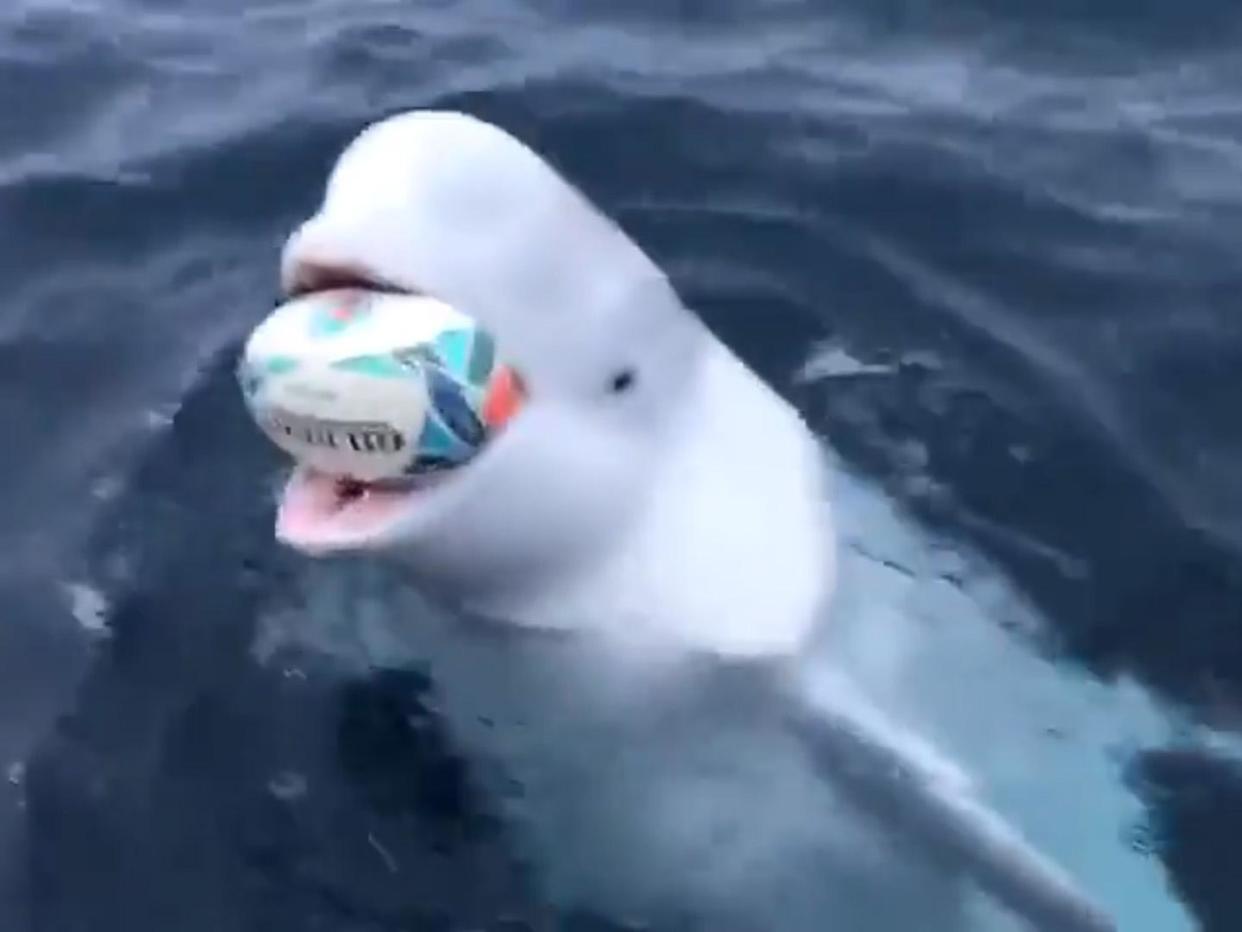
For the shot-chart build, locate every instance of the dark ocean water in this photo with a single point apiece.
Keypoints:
(1006, 235)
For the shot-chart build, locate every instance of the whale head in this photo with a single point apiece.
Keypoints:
(650, 485)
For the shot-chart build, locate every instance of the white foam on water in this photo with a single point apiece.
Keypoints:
(88, 606)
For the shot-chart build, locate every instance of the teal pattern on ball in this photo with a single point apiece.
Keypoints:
(455, 367)
(383, 366)
(466, 356)
(331, 319)
(252, 373)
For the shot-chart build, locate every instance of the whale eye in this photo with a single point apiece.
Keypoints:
(623, 381)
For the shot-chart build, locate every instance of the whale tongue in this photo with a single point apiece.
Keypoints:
(322, 512)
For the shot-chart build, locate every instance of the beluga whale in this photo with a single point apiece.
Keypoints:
(630, 492)
(652, 495)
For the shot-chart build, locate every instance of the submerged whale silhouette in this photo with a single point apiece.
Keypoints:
(653, 494)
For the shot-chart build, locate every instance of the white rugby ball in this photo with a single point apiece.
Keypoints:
(369, 385)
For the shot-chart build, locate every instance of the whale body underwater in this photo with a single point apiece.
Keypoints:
(654, 598)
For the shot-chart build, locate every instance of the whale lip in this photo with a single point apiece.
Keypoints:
(310, 277)
(319, 513)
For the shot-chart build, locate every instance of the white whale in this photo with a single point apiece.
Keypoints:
(647, 454)
(655, 494)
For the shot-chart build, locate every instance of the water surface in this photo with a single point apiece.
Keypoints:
(989, 251)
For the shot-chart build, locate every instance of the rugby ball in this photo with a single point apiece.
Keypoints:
(372, 385)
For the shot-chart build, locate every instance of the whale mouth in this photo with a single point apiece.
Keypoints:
(313, 277)
(319, 512)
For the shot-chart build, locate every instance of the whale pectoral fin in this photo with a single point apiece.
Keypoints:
(855, 746)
